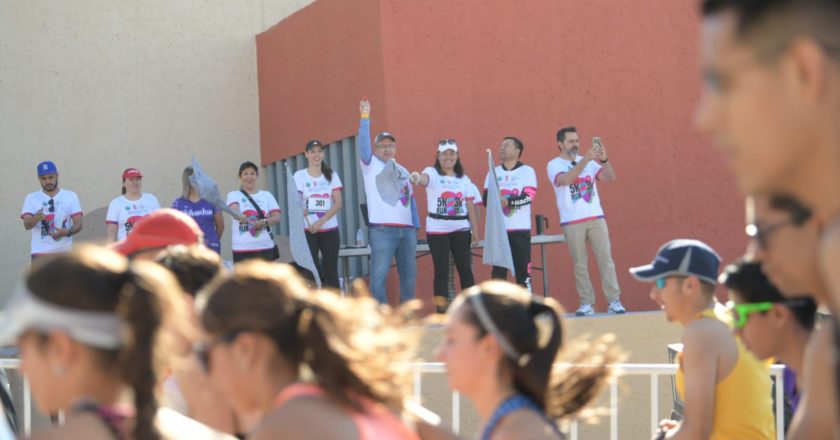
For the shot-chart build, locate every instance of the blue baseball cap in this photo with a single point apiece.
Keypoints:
(681, 257)
(46, 167)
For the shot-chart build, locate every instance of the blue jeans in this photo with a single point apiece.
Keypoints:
(387, 242)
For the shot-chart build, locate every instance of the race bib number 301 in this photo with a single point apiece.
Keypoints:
(318, 204)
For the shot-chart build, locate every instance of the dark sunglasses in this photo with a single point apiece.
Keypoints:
(762, 234)
(446, 142)
(52, 205)
(202, 349)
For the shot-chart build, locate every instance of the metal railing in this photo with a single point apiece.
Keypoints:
(653, 371)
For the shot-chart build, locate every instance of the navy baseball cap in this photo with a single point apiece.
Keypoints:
(385, 135)
(681, 257)
(46, 167)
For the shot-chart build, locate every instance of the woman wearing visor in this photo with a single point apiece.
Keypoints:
(92, 329)
(450, 223)
(321, 190)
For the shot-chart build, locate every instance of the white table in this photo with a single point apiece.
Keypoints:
(345, 253)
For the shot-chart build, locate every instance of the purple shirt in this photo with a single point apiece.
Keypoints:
(791, 390)
(202, 212)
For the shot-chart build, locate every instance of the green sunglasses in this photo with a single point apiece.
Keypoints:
(740, 312)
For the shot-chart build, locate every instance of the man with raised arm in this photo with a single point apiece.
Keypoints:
(392, 210)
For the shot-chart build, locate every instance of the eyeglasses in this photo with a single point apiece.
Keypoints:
(762, 234)
(446, 142)
(660, 282)
(202, 349)
(740, 312)
(51, 202)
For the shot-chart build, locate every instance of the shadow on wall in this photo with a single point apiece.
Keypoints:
(94, 228)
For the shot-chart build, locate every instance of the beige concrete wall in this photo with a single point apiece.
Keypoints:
(101, 85)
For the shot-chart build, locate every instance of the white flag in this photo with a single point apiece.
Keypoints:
(297, 235)
(207, 188)
(496, 244)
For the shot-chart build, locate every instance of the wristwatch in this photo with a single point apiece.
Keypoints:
(604, 161)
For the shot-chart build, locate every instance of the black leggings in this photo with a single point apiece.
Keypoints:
(459, 244)
(328, 243)
(267, 255)
(520, 247)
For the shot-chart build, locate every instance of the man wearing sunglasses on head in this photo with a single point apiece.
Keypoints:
(574, 178)
(771, 326)
(724, 387)
(53, 214)
(785, 237)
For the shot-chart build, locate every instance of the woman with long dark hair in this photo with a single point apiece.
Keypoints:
(450, 224)
(321, 190)
(306, 364)
(500, 347)
(258, 210)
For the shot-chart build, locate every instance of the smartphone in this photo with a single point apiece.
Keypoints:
(596, 142)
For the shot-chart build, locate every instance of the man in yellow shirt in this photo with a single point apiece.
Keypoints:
(726, 390)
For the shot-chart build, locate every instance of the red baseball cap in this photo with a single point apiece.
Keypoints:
(162, 228)
(131, 172)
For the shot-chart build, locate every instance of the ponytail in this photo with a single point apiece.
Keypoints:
(326, 171)
(146, 298)
(534, 330)
(142, 310)
(123, 187)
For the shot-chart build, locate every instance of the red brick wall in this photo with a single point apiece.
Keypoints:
(480, 70)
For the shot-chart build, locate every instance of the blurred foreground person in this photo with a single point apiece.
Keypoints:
(305, 364)
(500, 347)
(93, 328)
(188, 389)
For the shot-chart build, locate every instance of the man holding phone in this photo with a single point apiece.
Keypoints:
(53, 214)
(574, 180)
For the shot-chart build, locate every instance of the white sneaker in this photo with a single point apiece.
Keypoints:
(616, 307)
(585, 310)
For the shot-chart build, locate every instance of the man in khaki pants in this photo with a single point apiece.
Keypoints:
(573, 178)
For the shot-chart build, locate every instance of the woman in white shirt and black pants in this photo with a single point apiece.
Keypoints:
(321, 190)
(450, 223)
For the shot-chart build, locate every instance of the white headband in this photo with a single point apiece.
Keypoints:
(487, 322)
(26, 312)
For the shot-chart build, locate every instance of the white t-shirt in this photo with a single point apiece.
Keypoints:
(520, 180)
(245, 237)
(125, 213)
(380, 212)
(64, 206)
(447, 196)
(476, 195)
(317, 196)
(578, 202)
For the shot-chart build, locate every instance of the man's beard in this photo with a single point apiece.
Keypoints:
(50, 187)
